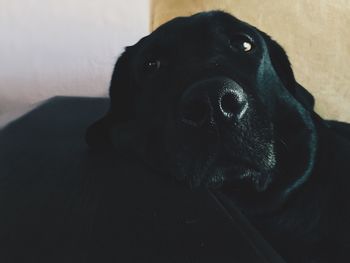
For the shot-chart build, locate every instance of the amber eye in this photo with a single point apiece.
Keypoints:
(242, 43)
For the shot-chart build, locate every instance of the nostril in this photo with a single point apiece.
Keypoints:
(233, 103)
(230, 104)
(195, 112)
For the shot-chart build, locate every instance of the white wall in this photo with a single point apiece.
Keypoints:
(63, 47)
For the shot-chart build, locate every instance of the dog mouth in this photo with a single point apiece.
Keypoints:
(206, 161)
(229, 175)
(222, 170)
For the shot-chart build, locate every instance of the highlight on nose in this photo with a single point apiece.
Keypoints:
(212, 100)
(233, 103)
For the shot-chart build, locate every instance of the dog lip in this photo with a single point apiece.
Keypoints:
(232, 176)
(230, 162)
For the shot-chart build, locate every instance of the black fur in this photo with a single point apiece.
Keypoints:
(297, 193)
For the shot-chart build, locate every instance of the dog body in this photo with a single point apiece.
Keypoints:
(213, 101)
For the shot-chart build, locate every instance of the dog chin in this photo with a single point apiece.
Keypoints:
(238, 177)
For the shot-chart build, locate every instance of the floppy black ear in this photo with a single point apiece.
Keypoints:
(120, 92)
(283, 68)
(305, 97)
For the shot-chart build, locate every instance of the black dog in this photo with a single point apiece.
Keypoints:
(214, 101)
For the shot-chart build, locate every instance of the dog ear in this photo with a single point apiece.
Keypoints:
(120, 93)
(283, 68)
(305, 97)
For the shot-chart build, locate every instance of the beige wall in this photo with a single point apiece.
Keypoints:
(315, 34)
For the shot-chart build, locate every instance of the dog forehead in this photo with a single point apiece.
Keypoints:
(200, 28)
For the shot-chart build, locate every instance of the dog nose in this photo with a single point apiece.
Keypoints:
(233, 102)
(212, 100)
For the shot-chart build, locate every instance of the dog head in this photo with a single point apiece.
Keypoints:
(214, 101)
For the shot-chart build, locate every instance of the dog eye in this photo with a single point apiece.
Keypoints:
(247, 46)
(242, 43)
(152, 65)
